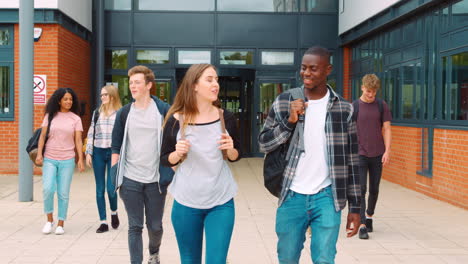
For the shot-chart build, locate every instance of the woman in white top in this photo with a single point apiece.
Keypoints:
(98, 154)
(203, 186)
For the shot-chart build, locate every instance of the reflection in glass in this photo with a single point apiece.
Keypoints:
(277, 58)
(268, 93)
(118, 4)
(460, 13)
(194, 56)
(236, 57)
(4, 37)
(459, 87)
(121, 82)
(408, 91)
(4, 89)
(258, 5)
(162, 90)
(319, 6)
(116, 59)
(179, 5)
(152, 56)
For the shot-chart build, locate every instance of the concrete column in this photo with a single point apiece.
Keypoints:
(99, 48)
(26, 92)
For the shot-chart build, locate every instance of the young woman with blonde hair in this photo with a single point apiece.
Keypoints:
(98, 154)
(203, 186)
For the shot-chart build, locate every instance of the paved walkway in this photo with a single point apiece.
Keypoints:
(409, 228)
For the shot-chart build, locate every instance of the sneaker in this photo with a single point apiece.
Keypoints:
(102, 228)
(363, 233)
(115, 221)
(59, 230)
(369, 226)
(47, 227)
(154, 259)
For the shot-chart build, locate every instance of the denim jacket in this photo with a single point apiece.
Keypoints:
(119, 145)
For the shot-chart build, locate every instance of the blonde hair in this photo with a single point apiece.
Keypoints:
(371, 81)
(185, 101)
(114, 101)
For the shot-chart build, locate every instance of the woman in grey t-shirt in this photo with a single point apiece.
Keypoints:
(203, 186)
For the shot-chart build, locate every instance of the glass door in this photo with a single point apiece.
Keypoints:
(162, 89)
(267, 92)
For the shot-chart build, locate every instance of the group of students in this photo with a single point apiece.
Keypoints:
(152, 147)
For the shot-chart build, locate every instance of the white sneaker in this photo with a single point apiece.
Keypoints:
(59, 230)
(47, 227)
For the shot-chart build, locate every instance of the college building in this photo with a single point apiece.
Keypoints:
(419, 49)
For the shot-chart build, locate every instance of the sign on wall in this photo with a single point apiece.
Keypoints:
(40, 89)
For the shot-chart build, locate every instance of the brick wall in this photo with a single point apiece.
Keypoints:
(65, 59)
(347, 88)
(449, 181)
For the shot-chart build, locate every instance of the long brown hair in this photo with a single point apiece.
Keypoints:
(114, 101)
(185, 101)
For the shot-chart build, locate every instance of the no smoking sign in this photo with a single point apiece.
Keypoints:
(40, 89)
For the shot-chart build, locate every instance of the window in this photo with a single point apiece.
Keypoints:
(118, 4)
(411, 91)
(236, 57)
(427, 139)
(5, 37)
(121, 82)
(152, 56)
(277, 58)
(162, 90)
(193, 56)
(455, 87)
(178, 5)
(116, 59)
(258, 5)
(319, 6)
(460, 13)
(6, 98)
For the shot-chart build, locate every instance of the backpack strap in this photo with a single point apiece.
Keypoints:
(298, 134)
(223, 130)
(356, 110)
(380, 103)
(94, 120)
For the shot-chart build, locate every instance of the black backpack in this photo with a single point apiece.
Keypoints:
(33, 143)
(275, 162)
(356, 110)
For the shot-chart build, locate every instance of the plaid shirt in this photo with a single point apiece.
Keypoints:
(104, 126)
(341, 142)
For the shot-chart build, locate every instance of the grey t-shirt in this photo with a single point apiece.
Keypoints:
(203, 180)
(143, 144)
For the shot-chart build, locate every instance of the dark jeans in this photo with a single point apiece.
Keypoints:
(374, 167)
(189, 224)
(101, 164)
(140, 199)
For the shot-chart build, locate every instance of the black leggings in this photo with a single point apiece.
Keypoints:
(374, 167)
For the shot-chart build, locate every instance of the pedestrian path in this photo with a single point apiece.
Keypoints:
(408, 227)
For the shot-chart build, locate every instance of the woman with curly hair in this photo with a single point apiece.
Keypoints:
(62, 129)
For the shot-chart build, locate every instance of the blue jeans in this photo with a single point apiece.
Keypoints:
(101, 160)
(218, 223)
(140, 199)
(300, 211)
(56, 177)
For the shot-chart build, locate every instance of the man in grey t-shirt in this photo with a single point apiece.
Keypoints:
(374, 137)
(136, 146)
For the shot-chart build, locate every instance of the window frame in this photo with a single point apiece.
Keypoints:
(155, 65)
(7, 59)
(177, 50)
(248, 66)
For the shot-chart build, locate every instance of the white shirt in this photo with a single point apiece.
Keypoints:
(312, 170)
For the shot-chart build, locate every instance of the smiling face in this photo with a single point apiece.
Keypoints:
(314, 71)
(207, 87)
(105, 97)
(66, 102)
(138, 87)
(368, 95)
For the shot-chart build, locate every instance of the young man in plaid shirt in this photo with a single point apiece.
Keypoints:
(321, 176)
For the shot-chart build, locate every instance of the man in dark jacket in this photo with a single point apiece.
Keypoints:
(136, 145)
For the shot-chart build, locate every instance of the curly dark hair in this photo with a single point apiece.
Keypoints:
(53, 104)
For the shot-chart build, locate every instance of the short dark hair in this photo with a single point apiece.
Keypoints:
(319, 51)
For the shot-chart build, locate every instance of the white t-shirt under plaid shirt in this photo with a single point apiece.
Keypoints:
(104, 126)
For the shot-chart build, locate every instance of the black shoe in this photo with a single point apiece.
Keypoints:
(102, 228)
(369, 226)
(363, 233)
(115, 221)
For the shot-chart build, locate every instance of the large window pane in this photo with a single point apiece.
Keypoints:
(162, 89)
(236, 57)
(319, 6)
(179, 5)
(4, 37)
(460, 13)
(121, 82)
(459, 87)
(258, 5)
(408, 91)
(194, 56)
(118, 4)
(268, 93)
(116, 59)
(277, 58)
(5, 85)
(152, 56)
